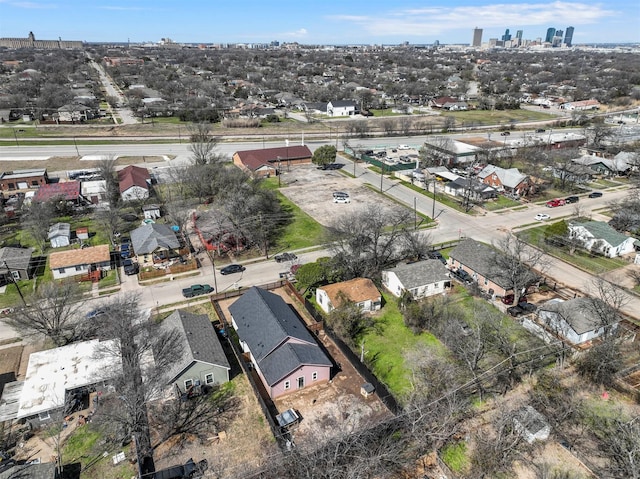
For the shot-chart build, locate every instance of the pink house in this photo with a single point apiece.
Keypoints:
(281, 349)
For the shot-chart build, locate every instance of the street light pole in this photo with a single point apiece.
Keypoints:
(13, 280)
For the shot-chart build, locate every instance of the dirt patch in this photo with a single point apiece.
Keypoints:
(312, 190)
(328, 409)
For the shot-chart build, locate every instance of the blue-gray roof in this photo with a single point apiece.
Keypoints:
(198, 339)
(480, 258)
(148, 238)
(277, 338)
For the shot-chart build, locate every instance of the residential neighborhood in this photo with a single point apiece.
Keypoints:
(232, 261)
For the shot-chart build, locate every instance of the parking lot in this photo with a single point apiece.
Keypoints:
(312, 188)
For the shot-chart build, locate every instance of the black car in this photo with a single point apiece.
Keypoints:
(595, 194)
(437, 255)
(572, 199)
(462, 276)
(282, 257)
(232, 268)
(505, 133)
(130, 267)
(515, 311)
(540, 130)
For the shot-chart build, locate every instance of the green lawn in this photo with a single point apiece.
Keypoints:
(85, 446)
(581, 259)
(386, 344)
(455, 456)
(302, 231)
(500, 202)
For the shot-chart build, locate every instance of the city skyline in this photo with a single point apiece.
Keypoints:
(328, 22)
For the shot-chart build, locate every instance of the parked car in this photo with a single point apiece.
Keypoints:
(437, 255)
(339, 194)
(341, 199)
(542, 217)
(595, 194)
(130, 267)
(555, 203)
(462, 276)
(572, 199)
(403, 147)
(522, 308)
(505, 133)
(515, 311)
(94, 313)
(282, 257)
(232, 268)
(540, 130)
(508, 299)
(196, 290)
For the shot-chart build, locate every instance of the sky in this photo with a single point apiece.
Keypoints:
(327, 22)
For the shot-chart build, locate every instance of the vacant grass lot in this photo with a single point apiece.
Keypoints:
(302, 231)
(491, 117)
(384, 347)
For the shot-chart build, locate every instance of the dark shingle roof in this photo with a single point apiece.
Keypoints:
(278, 340)
(199, 341)
(418, 274)
(15, 258)
(45, 470)
(288, 357)
(480, 258)
(148, 238)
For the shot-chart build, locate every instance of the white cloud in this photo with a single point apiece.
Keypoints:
(435, 20)
(30, 5)
(300, 33)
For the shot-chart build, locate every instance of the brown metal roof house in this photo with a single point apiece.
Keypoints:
(268, 161)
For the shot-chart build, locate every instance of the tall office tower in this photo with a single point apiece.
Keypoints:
(559, 33)
(551, 32)
(477, 37)
(519, 37)
(568, 36)
(507, 36)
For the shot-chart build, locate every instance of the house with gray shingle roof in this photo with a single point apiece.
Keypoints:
(421, 279)
(575, 320)
(599, 237)
(479, 260)
(154, 243)
(202, 360)
(15, 262)
(281, 349)
(509, 180)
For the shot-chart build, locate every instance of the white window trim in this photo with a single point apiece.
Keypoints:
(287, 385)
(207, 377)
(188, 383)
(314, 376)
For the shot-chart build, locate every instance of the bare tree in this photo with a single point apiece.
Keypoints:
(136, 341)
(107, 170)
(53, 313)
(619, 438)
(366, 241)
(36, 221)
(109, 221)
(203, 144)
(515, 264)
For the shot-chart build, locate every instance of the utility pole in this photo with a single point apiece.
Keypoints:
(433, 211)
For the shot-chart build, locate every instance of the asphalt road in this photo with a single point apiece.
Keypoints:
(452, 224)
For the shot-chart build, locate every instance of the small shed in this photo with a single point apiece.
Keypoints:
(82, 233)
(288, 418)
(367, 389)
(151, 212)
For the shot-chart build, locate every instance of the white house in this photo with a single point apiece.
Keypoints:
(599, 237)
(65, 264)
(54, 373)
(60, 235)
(341, 108)
(360, 291)
(421, 279)
(574, 320)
